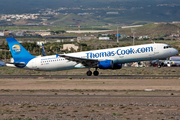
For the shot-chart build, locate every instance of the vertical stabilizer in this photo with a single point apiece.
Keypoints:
(19, 53)
(43, 50)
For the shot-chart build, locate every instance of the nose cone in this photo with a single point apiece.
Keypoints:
(175, 52)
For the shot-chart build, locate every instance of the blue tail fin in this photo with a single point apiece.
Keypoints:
(19, 53)
(43, 50)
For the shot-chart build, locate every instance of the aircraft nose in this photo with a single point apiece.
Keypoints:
(175, 51)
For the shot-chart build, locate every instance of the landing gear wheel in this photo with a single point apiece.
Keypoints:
(159, 66)
(89, 73)
(95, 73)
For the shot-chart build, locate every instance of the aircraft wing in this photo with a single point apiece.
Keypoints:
(84, 61)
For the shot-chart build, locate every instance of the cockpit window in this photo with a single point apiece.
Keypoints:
(165, 47)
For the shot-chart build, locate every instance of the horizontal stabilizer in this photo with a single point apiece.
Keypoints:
(17, 64)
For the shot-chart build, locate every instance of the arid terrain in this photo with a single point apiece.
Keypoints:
(126, 99)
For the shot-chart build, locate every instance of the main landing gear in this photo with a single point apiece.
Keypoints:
(158, 64)
(95, 73)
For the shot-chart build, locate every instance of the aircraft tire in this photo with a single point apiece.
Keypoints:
(95, 73)
(89, 73)
(159, 66)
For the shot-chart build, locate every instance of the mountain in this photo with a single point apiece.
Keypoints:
(73, 19)
(130, 12)
(153, 30)
(30, 6)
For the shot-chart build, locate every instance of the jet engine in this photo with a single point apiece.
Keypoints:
(108, 64)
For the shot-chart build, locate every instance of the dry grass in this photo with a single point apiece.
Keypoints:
(90, 84)
(123, 71)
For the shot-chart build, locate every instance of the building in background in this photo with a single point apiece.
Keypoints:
(69, 46)
(2, 34)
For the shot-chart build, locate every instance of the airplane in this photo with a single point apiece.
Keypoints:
(111, 58)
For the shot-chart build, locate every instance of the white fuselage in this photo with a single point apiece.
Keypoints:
(118, 55)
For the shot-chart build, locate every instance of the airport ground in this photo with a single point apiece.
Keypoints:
(171, 71)
(133, 98)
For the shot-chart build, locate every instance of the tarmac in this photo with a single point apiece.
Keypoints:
(92, 77)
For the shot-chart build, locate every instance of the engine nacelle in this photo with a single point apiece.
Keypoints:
(117, 66)
(108, 64)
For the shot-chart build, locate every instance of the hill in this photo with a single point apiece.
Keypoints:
(129, 12)
(74, 20)
(153, 30)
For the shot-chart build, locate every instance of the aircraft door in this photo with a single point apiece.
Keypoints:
(156, 50)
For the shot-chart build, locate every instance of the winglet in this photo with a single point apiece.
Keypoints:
(43, 50)
(57, 55)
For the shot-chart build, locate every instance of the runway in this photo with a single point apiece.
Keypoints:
(88, 107)
(90, 96)
(92, 77)
(87, 97)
